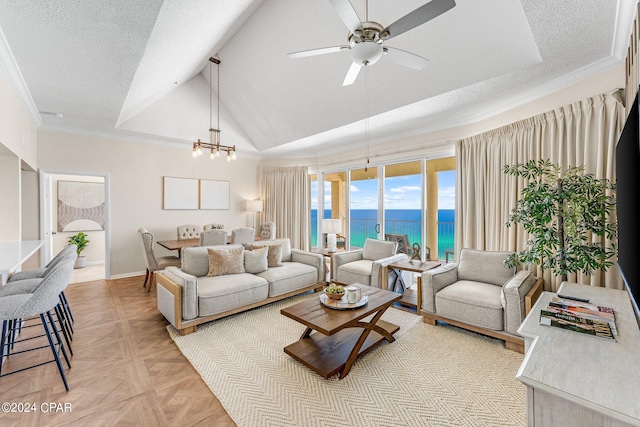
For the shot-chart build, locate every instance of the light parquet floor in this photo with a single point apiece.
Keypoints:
(125, 369)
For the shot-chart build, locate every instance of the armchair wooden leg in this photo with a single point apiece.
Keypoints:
(429, 319)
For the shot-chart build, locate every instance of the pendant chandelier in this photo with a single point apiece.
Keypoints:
(214, 145)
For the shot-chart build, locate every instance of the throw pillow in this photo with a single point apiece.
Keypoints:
(274, 256)
(225, 261)
(256, 261)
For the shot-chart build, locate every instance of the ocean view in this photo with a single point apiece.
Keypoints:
(397, 221)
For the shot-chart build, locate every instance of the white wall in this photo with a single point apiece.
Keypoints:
(10, 196)
(135, 174)
(17, 130)
(17, 148)
(30, 199)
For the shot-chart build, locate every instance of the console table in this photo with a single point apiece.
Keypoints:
(576, 380)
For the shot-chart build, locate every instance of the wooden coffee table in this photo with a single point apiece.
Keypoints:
(341, 335)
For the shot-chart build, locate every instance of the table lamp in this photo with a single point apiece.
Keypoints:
(331, 227)
(254, 206)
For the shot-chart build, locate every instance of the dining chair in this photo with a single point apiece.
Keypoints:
(38, 303)
(213, 226)
(154, 263)
(213, 237)
(268, 230)
(243, 235)
(188, 231)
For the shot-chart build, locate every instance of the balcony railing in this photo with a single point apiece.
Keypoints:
(361, 228)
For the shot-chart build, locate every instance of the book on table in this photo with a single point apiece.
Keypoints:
(583, 307)
(595, 328)
(584, 310)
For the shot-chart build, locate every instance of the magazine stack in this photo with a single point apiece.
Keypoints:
(580, 316)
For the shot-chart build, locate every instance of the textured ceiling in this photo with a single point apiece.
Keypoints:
(140, 69)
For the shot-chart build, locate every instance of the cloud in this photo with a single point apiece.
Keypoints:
(405, 188)
(447, 198)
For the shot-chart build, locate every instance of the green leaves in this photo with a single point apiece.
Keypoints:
(561, 211)
(80, 240)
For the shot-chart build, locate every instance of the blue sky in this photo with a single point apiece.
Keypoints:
(400, 192)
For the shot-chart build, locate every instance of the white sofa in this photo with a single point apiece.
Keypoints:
(188, 297)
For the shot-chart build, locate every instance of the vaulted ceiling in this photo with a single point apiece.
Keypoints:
(139, 69)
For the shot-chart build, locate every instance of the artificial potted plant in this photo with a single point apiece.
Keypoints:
(80, 240)
(561, 211)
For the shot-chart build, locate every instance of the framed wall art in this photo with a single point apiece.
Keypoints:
(214, 194)
(179, 193)
(81, 206)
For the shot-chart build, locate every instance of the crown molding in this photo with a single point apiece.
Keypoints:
(149, 140)
(11, 70)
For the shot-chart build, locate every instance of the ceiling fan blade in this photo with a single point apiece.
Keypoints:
(319, 51)
(347, 13)
(352, 74)
(418, 17)
(405, 58)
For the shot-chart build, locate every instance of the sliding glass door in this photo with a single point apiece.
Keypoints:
(413, 199)
(335, 205)
(403, 205)
(363, 206)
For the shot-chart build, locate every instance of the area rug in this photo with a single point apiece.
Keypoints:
(430, 376)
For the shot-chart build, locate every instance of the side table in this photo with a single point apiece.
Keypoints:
(326, 254)
(410, 297)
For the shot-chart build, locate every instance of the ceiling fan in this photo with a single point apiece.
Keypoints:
(366, 38)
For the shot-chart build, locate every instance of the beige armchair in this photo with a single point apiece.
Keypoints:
(479, 293)
(364, 265)
(213, 237)
(154, 263)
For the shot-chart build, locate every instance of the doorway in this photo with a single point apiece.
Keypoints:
(73, 202)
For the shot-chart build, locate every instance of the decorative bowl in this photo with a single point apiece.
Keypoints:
(334, 296)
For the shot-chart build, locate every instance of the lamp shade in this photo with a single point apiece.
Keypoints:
(254, 205)
(331, 226)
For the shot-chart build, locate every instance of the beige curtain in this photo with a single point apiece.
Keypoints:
(285, 192)
(582, 133)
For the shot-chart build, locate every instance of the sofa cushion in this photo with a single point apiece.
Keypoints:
(484, 266)
(378, 249)
(223, 293)
(475, 303)
(225, 261)
(274, 254)
(284, 241)
(355, 272)
(195, 260)
(290, 277)
(255, 261)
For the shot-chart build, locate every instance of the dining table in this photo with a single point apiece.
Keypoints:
(179, 244)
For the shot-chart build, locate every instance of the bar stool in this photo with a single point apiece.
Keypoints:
(39, 303)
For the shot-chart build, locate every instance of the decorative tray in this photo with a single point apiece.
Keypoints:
(342, 304)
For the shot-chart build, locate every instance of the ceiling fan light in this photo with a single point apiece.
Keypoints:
(366, 53)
